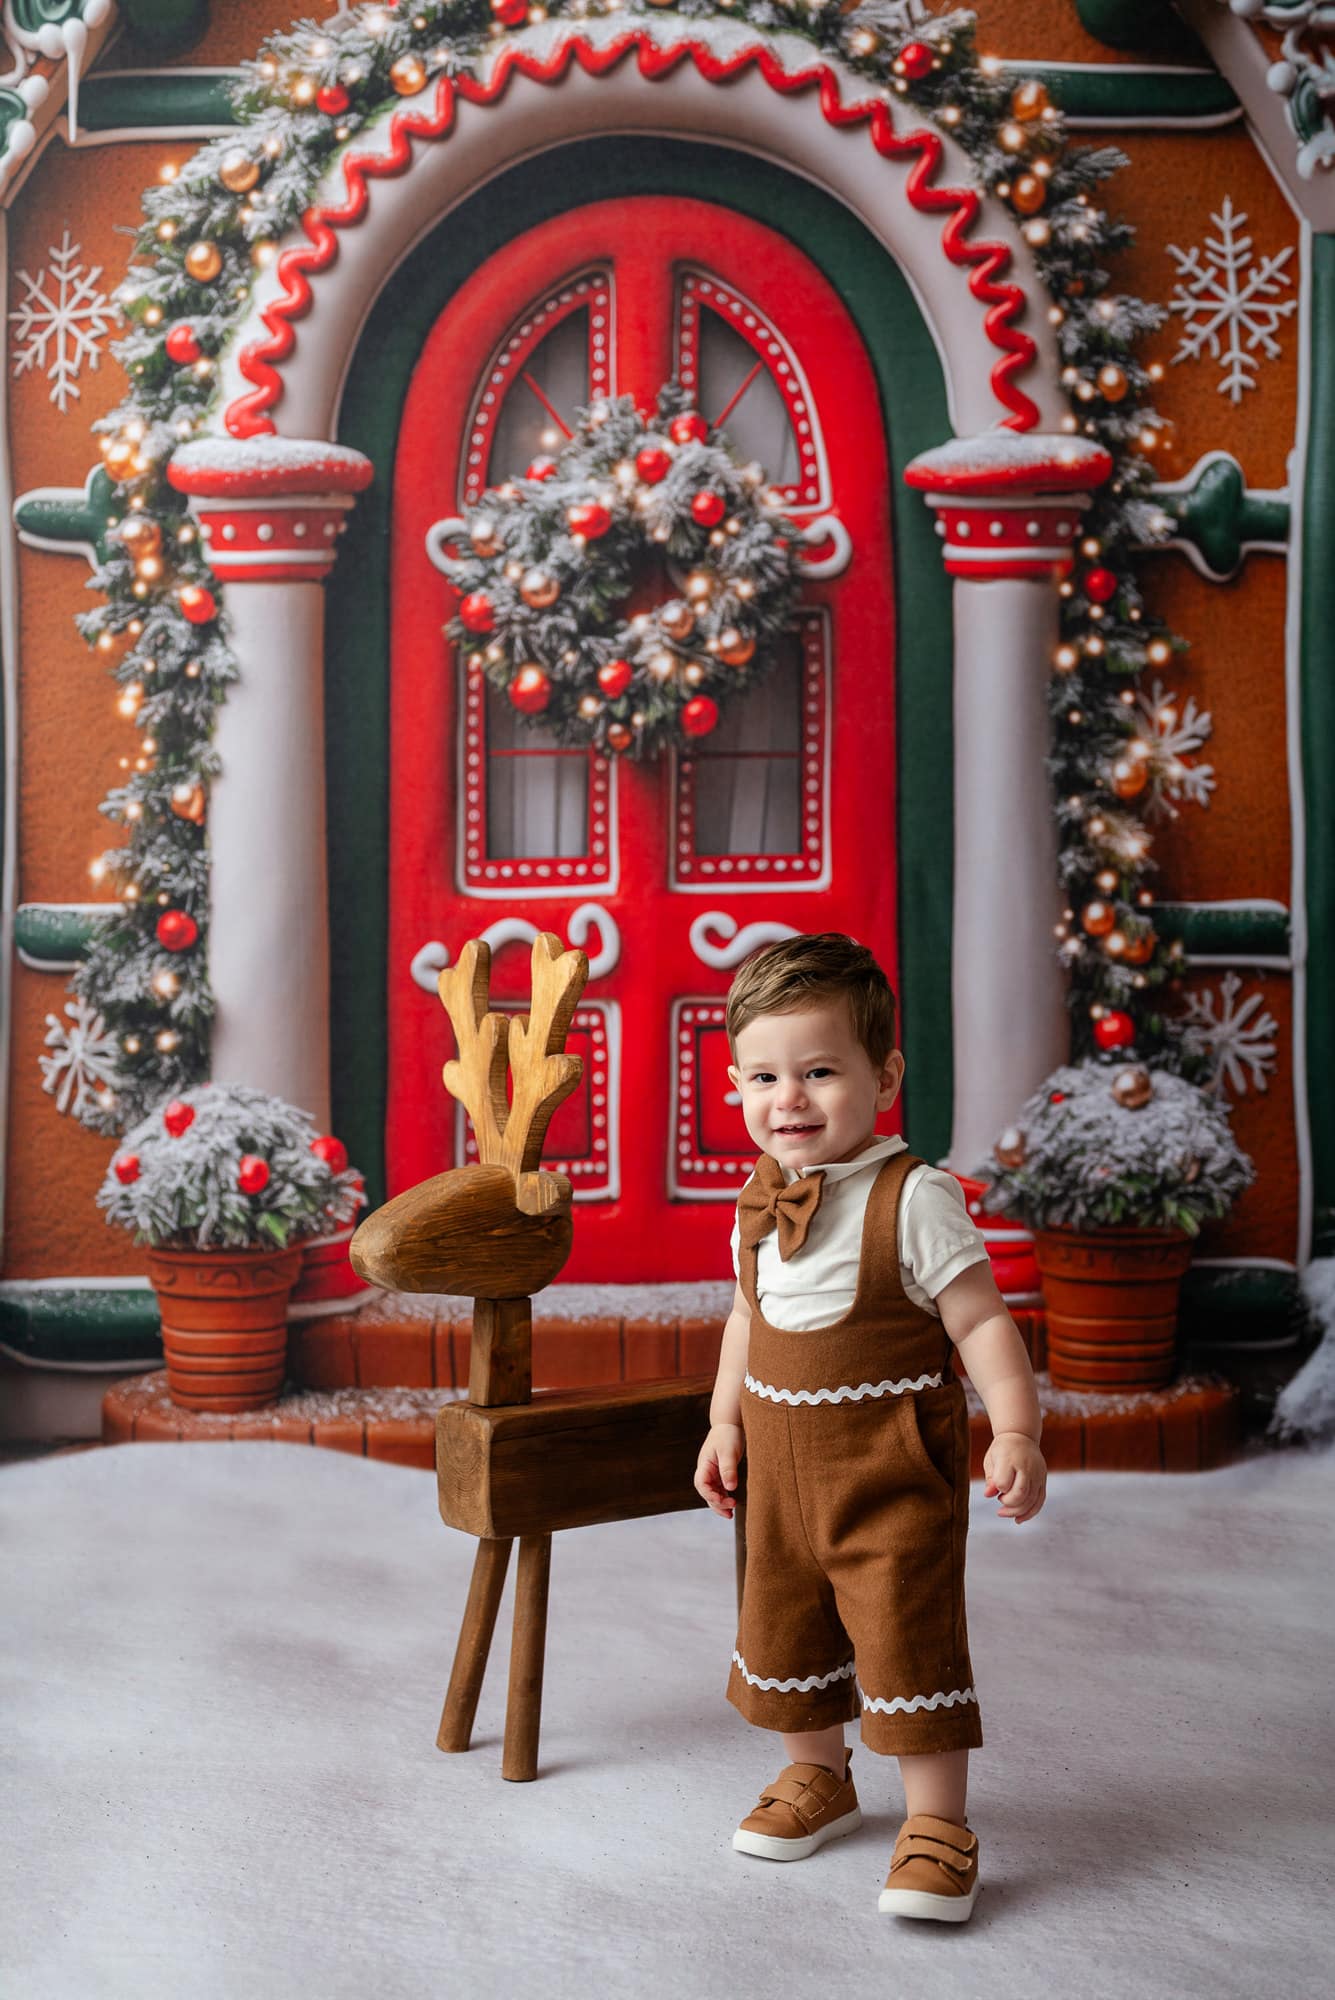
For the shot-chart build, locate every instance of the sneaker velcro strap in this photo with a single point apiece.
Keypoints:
(941, 1829)
(786, 1790)
(921, 1844)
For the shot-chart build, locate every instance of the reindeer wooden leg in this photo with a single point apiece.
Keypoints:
(470, 1655)
(523, 1715)
(739, 1549)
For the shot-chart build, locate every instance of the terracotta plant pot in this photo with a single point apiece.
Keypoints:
(1111, 1298)
(224, 1324)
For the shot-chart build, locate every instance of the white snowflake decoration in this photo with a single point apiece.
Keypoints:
(1172, 737)
(1240, 1044)
(64, 312)
(84, 1063)
(1223, 300)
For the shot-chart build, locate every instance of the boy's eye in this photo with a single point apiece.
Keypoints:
(819, 1072)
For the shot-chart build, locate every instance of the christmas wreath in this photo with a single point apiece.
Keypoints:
(554, 556)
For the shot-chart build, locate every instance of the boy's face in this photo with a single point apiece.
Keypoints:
(810, 1092)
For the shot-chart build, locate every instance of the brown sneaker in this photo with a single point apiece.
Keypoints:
(804, 1807)
(934, 1871)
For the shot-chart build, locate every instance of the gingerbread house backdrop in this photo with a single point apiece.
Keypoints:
(605, 199)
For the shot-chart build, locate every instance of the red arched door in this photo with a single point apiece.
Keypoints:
(665, 872)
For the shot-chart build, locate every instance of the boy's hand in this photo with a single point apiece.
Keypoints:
(1017, 1474)
(716, 1468)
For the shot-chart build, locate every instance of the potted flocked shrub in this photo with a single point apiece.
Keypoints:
(1114, 1166)
(223, 1185)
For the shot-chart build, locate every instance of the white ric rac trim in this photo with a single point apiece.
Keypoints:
(794, 1686)
(845, 1395)
(898, 1703)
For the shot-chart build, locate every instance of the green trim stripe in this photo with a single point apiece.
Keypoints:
(1316, 711)
(135, 100)
(1220, 930)
(52, 935)
(81, 1323)
(356, 678)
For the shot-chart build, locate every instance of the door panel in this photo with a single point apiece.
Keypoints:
(781, 820)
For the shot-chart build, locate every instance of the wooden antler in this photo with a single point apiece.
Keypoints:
(542, 1078)
(477, 1076)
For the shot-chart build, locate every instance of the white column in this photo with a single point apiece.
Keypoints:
(270, 511)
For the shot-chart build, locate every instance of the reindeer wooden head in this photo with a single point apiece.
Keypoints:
(500, 1229)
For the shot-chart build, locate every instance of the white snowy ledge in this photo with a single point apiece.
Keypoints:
(1005, 461)
(220, 467)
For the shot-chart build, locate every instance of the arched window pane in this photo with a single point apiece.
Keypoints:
(559, 368)
(757, 423)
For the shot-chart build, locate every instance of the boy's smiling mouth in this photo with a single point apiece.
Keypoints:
(794, 1131)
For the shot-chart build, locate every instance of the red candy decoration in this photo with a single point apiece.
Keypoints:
(916, 58)
(1114, 1030)
(477, 612)
(530, 690)
(1100, 585)
(614, 677)
(510, 13)
(653, 464)
(182, 344)
(252, 1174)
(198, 604)
(126, 1168)
(699, 715)
(332, 1151)
(688, 429)
(331, 98)
(178, 1117)
(708, 509)
(1056, 1097)
(541, 468)
(590, 519)
(176, 930)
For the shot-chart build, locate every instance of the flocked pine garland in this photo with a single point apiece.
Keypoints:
(1115, 758)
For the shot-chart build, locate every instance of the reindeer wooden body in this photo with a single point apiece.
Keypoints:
(510, 1465)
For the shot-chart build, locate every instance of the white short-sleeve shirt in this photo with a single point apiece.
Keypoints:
(937, 1240)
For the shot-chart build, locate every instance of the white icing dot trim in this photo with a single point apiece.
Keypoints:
(845, 1395)
(793, 1686)
(898, 1704)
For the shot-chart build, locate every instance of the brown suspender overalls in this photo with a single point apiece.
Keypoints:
(857, 1450)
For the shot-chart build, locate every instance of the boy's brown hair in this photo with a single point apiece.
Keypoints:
(804, 971)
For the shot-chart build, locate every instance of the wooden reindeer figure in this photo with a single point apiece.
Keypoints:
(510, 1465)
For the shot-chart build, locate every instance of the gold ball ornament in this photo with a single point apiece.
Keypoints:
(238, 172)
(677, 619)
(1097, 918)
(539, 589)
(1028, 194)
(408, 75)
(203, 260)
(1113, 384)
(1133, 1087)
(1009, 1150)
(188, 802)
(619, 737)
(1029, 101)
(482, 535)
(1130, 775)
(141, 535)
(1140, 950)
(735, 647)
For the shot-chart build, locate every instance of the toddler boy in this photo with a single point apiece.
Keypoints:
(857, 1268)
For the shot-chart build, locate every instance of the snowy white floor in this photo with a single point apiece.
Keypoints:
(223, 1671)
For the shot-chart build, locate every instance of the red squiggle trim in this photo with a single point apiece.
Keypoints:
(249, 415)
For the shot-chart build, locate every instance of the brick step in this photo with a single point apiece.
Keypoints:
(1189, 1427)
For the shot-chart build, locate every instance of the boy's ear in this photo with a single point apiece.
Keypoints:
(892, 1076)
(734, 1076)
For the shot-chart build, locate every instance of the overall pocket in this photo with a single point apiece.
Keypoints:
(929, 1432)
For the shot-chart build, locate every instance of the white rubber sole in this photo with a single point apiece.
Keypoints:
(921, 1903)
(771, 1849)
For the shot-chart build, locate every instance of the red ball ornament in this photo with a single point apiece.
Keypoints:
(1056, 1097)
(530, 690)
(1114, 1030)
(916, 59)
(590, 519)
(126, 1168)
(332, 1151)
(689, 428)
(198, 604)
(699, 715)
(653, 464)
(332, 99)
(182, 344)
(178, 1117)
(708, 509)
(541, 468)
(176, 930)
(510, 13)
(477, 612)
(614, 677)
(252, 1174)
(1100, 585)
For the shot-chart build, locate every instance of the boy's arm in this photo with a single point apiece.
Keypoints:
(726, 1407)
(974, 1314)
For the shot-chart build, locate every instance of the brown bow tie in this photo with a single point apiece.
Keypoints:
(768, 1200)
